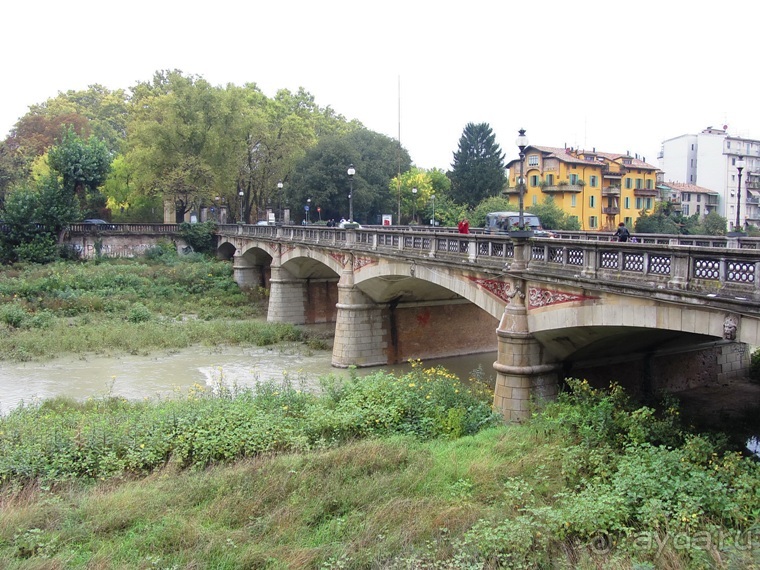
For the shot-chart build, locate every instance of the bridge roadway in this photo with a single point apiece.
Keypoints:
(646, 312)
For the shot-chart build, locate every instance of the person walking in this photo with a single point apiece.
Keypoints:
(622, 233)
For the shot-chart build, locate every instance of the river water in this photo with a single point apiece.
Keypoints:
(176, 372)
(168, 374)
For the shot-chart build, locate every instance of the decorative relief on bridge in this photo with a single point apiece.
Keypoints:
(730, 325)
(360, 262)
(341, 258)
(538, 297)
(285, 248)
(498, 288)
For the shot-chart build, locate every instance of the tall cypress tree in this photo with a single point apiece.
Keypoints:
(478, 170)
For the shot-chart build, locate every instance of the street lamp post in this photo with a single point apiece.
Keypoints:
(351, 171)
(216, 208)
(240, 193)
(522, 142)
(279, 193)
(432, 199)
(308, 207)
(739, 168)
(414, 204)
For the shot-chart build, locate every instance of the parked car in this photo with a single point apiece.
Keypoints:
(102, 224)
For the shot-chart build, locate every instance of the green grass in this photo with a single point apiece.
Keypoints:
(538, 495)
(128, 306)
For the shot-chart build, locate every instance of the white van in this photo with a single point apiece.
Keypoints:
(503, 222)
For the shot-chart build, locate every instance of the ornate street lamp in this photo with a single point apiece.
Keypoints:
(279, 192)
(739, 168)
(522, 142)
(414, 204)
(240, 193)
(432, 199)
(308, 207)
(351, 171)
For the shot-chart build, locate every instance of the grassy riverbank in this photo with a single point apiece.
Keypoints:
(380, 473)
(128, 306)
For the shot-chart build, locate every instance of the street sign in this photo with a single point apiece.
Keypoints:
(306, 208)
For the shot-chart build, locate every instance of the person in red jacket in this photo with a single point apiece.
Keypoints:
(464, 226)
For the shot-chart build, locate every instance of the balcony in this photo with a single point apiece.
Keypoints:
(608, 173)
(611, 191)
(611, 210)
(653, 192)
(562, 188)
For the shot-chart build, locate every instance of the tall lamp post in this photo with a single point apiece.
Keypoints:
(522, 142)
(240, 193)
(351, 171)
(414, 204)
(432, 199)
(308, 207)
(279, 193)
(739, 168)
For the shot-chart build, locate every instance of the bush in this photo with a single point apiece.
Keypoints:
(754, 366)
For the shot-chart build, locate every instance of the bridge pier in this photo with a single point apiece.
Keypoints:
(521, 371)
(360, 327)
(287, 298)
(245, 274)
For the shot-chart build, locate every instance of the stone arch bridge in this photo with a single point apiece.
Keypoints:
(550, 307)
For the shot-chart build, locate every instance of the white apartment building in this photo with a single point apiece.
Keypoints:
(709, 160)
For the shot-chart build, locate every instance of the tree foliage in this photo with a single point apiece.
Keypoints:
(322, 176)
(82, 167)
(427, 183)
(552, 217)
(478, 170)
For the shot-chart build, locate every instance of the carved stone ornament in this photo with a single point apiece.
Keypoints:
(538, 297)
(498, 288)
(730, 326)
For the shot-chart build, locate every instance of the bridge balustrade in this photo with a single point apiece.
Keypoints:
(698, 263)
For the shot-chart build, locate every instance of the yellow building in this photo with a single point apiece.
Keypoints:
(600, 189)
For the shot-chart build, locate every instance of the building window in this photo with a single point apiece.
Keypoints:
(628, 183)
(534, 180)
(592, 222)
(627, 202)
(592, 181)
(639, 185)
(592, 201)
(535, 200)
(628, 221)
(573, 201)
(639, 203)
(550, 179)
(698, 209)
(533, 160)
(685, 196)
(685, 209)
(699, 198)
(573, 179)
(649, 203)
(649, 184)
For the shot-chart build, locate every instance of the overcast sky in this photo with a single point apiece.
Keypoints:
(615, 76)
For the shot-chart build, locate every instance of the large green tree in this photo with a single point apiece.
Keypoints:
(478, 170)
(82, 167)
(322, 176)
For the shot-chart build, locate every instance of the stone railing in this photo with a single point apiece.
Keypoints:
(699, 264)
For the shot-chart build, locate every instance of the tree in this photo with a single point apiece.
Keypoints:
(478, 170)
(713, 224)
(552, 217)
(174, 137)
(427, 183)
(321, 175)
(82, 167)
(655, 223)
(35, 217)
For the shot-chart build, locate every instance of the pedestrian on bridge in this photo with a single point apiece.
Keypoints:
(622, 233)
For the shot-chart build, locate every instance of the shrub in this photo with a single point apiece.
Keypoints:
(754, 366)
